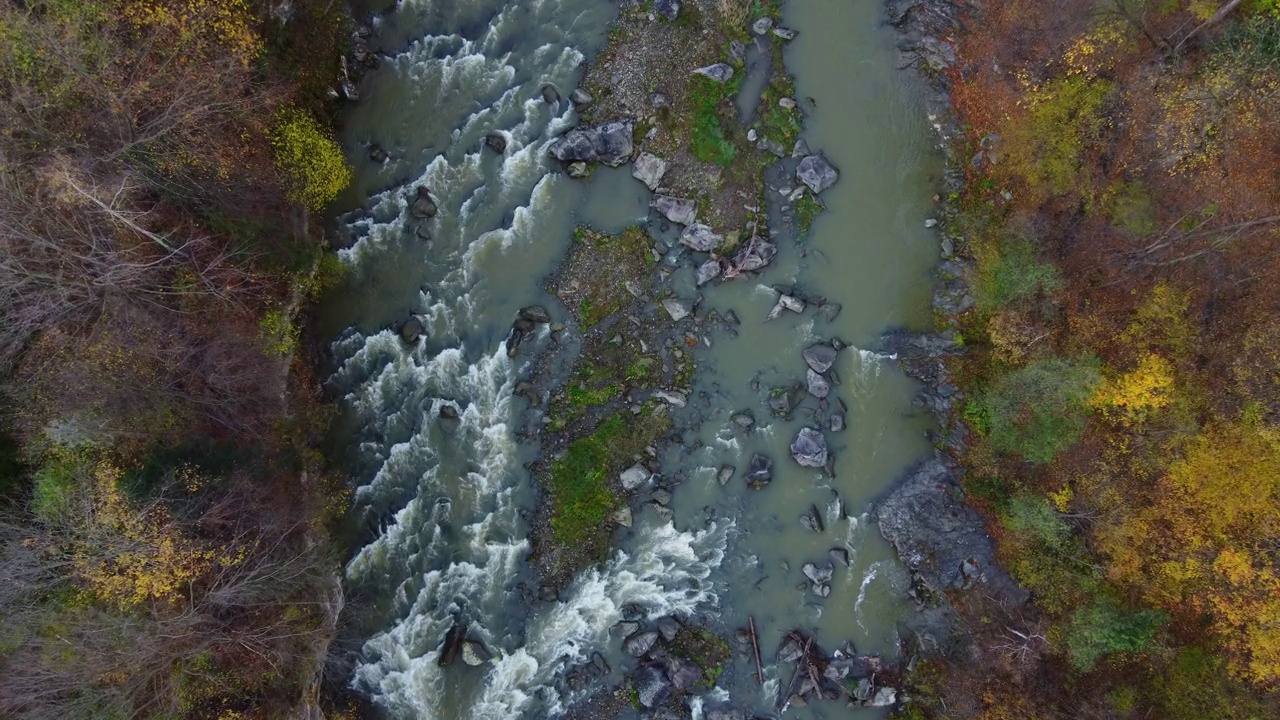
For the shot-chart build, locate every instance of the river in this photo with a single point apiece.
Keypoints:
(440, 504)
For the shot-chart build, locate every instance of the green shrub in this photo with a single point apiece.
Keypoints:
(1130, 207)
(55, 485)
(1013, 275)
(1102, 629)
(579, 481)
(308, 159)
(1064, 119)
(1197, 686)
(1039, 410)
(707, 139)
(278, 333)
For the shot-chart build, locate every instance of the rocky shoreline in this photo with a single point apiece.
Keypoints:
(925, 517)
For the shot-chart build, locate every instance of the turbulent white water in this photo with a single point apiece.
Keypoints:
(449, 546)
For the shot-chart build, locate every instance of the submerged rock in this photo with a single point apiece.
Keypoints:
(649, 169)
(809, 448)
(812, 519)
(744, 420)
(816, 172)
(578, 170)
(720, 72)
(700, 238)
(759, 471)
(678, 210)
(609, 143)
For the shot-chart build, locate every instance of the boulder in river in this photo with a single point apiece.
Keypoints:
(535, 313)
(759, 471)
(837, 422)
(496, 142)
(411, 331)
(786, 302)
(668, 9)
(474, 653)
(652, 686)
(700, 238)
(677, 210)
(452, 644)
(550, 95)
(809, 448)
(818, 573)
(707, 272)
(635, 476)
(818, 385)
(609, 143)
(720, 72)
(744, 419)
(753, 255)
(723, 712)
(817, 172)
(725, 474)
(639, 644)
(820, 357)
(649, 169)
(423, 206)
(812, 519)
(668, 627)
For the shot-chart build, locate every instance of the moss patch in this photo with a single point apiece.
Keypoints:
(705, 649)
(709, 103)
(807, 210)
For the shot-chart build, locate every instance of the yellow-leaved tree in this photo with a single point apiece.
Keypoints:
(309, 159)
(1204, 545)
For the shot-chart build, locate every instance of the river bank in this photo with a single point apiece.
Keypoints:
(1072, 422)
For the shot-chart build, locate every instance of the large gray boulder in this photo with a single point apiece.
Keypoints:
(652, 686)
(753, 255)
(700, 238)
(707, 272)
(720, 72)
(609, 144)
(941, 538)
(816, 172)
(649, 169)
(668, 9)
(809, 448)
(678, 210)
(639, 644)
(423, 206)
(820, 357)
(817, 384)
(684, 674)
